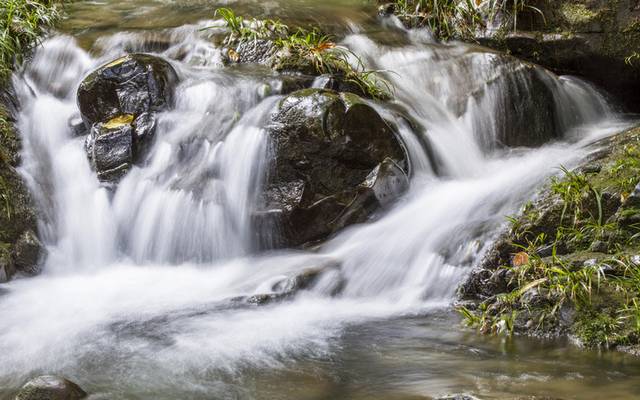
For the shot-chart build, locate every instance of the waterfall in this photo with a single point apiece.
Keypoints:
(141, 279)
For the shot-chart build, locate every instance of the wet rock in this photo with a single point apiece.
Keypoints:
(336, 162)
(119, 101)
(29, 252)
(49, 387)
(110, 148)
(115, 146)
(131, 85)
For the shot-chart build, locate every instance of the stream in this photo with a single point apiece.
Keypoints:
(138, 297)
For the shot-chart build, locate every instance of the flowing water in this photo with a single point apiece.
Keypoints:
(137, 297)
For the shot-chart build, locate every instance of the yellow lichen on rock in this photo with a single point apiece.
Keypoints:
(118, 121)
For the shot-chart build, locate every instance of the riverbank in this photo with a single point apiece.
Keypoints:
(597, 40)
(26, 22)
(569, 262)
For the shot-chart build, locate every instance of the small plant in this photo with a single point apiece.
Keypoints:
(250, 29)
(306, 49)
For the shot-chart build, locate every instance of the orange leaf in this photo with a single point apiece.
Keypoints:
(520, 259)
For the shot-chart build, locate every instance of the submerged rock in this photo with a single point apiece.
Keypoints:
(119, 101)
(336, 162)
(49, 387)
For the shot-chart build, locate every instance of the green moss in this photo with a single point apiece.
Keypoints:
(594, 329)
(577, 14)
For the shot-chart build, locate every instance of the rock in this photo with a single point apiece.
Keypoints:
(110, 148)
(336, 162)
(29, 252)
(131, 85)
(49, 387)
(259, 51)
(119, 101)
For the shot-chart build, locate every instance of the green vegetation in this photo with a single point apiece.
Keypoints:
(306, 50)
(22, 24)
(450, 19)
(587, 282)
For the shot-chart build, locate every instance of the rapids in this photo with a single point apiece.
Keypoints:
(136, 299)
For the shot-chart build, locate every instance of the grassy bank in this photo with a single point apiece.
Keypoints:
(570, 262)
(22, 25)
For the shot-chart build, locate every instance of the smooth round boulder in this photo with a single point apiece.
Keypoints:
(130, 85)
(49, 387)
(336, 161)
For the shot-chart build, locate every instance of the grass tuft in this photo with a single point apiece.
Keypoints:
(22, 24)
(306, 49)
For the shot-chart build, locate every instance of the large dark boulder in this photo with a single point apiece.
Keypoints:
(133, 84)
(49, 387)
(118, 102)
(336, 162)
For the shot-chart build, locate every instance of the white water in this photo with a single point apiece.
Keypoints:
(139, 281)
